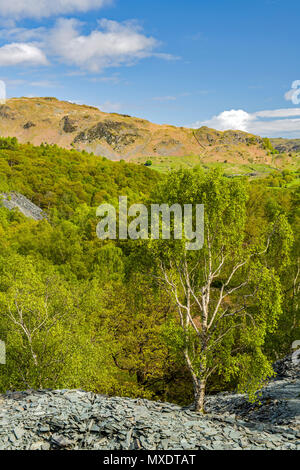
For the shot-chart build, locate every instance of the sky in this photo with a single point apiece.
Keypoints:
(226, 64)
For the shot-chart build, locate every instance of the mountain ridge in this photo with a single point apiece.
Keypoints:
(119, 136)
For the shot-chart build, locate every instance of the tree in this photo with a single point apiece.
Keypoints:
(49, 327)
(227, 297)
(264, 206)
(35, 307)
(288, 331)
(136, 324)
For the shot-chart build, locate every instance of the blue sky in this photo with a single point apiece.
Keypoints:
(222, 63)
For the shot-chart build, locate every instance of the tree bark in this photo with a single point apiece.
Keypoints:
(200, 396)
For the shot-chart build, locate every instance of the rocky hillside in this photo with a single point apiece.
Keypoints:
(118, 136)
(79, 420)
(286, 145)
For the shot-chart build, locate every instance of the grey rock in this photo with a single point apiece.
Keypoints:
(19, 432)
(39, 445)
(60, 441)
(74, 419)
(16, 200)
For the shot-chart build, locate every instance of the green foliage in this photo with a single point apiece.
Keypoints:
(59, 180)
(77, 312)
(229, 293)
(8, 143)
(268, 146)
(282, 179)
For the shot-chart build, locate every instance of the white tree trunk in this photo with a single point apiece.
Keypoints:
(200, 396)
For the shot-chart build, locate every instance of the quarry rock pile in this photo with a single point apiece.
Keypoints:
(279, 400)
(15, 200)
(75, 420)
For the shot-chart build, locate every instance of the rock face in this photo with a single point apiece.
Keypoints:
(68, 125)
(15, 200)
(206, 135)
(116, 134)
(6, 112)
(74, 419)
(28, 125)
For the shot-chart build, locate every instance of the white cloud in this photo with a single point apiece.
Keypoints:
(39, 83)
(277, 128)
(162, 55)
(46, 8)
(111, 45)
(115, 79)
(172, 97)
(275, 122)
(22, 34)
(109, 107)
(265, 123)
(233, 119)
(293, 94)
(15, 82)
(164, 98)
(44, 84)
(277, 113)
(21, 53)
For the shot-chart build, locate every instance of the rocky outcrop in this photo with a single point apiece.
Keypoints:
(18, 201)
(6, 112)
(117, 134)
(74, 419)
(286, 145)
(68, 125)
(29, 124)
(168, 147)
(214, 137)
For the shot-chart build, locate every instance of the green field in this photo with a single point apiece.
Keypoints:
(171, 163)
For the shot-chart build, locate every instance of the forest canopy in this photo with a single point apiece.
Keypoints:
(78, 312)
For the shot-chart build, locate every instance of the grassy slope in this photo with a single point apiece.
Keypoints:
(259, 169)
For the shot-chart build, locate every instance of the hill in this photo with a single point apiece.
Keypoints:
(117, 136)
(286, 145)
(55, 178)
